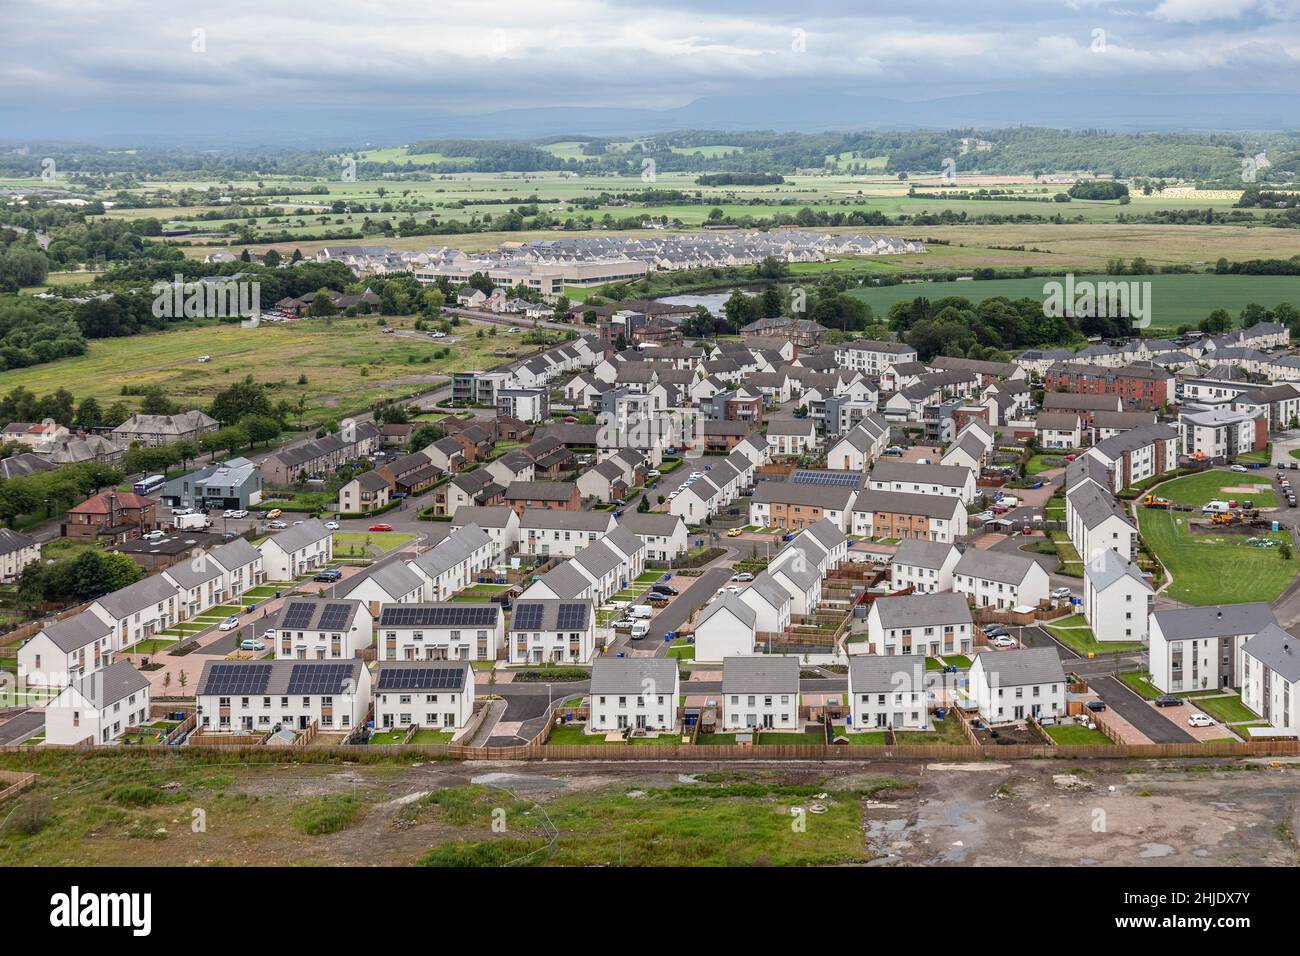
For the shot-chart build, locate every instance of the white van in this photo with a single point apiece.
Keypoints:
(1214, 507)
(644, 611)
(640, 628)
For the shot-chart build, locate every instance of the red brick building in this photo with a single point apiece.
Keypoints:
(1141, 385)
(111, 516)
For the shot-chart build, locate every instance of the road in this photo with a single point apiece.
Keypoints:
(1156, 726)
(679, 611)
(17, 729)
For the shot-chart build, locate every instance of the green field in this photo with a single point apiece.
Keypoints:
(1174, 299)
(349, 364)
(1209, 485)
(1216, 567)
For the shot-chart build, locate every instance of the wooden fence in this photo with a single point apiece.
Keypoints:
(15, 783)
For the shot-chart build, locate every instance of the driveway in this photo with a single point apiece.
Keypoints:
(1147, 719)
(679, 611)
(17, 729)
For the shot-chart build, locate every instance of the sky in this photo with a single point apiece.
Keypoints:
(106, 67)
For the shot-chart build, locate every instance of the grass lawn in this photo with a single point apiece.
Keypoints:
(1036, 465)
(1074, 633)
(1228, 709)
(1262, 457)
(723, 740)
(573, 734)
(428, 736)
(150, 646)
(1208, 485)
(776, 737)
(1076, 734)
(683, 652)
(1139, 683)
(386, 737)
(355, 543)
(1214, 568)
(874, 738)
(958, 660)
(947, 731)
(1071, 563)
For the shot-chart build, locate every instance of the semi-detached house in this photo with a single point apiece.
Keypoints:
(995, 579)
(255, 696)
(1012, 685)
(760, 692)
(931, 624)
(891, 514)
(795, 506)
(441, 631)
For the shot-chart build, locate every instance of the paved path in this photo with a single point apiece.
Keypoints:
(17, 729)
(1147, 719)
(679, 611)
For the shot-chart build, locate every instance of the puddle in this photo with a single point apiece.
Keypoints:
(514, 781)
(1155, 851)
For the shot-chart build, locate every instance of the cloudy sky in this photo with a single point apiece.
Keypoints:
(94, 66)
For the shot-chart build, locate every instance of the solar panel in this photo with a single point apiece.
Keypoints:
(421, 678)
(334, 616)
(848, 478)
(228, 680)
(325, 678)
(571, 617)
(528, 616)
(456, 615)
(298, 614)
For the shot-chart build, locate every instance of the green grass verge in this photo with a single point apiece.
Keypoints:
(1076, 734)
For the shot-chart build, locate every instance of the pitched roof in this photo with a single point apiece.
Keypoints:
(1277, 650)
(879, 501)
(1105, 569)
(540, 490)
(1215, 620)
(760, 675)
(136, 597)
(299, 536)
(393, 577)
(77, 631)
(919, 553)
(1030, 665)
(832, 497)
(307, 613)
(952, 476)
(733, 604)
(448, 676)
(269, 678)
(110, 684)
(880, 673)
(995, 566)
(919, 610)
(628, 675)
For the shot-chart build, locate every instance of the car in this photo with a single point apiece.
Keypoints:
(1239, 468)
(278, 525)
(997, 631)
(274, 513)
(228, 513)
(331, 525)
(328, 575)
(729, 589)
(985, 516)
(1095, 705)
(153, 535)
(229, 624)
(1200, 720)
(653, 473)
(742, 576)
(269, 632)
(1168, 700)
(735, 532)
(182, 511)
(623, 623)
(1062, 593)
(251, 645)
(380, 527)
(238, 513)
(697, 474)
(514, 328)
(665, 589)
(437, 335)
(1002, 642)
(389, 331)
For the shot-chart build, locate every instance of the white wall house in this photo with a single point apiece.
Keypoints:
(635, 693)
(441, 632)
(771, 603)
(298, 550)
(951, 481)
(999, 580)
(1270, 679)
(888, 692)
(499, 522)
(440, 697)
(255, 696)
(551, 631)
(725, 629)
(562, 533)
(453, 563)
(1117, 599)
(1013, 685)
(139, 610)
(321, 629)
(1199, 648)
(924, 566)
(99, 706)
(760, 692)
(66, 651)
(932, 624)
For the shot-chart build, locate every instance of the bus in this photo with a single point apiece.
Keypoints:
(147, 486)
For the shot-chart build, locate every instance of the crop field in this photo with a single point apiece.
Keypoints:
(1174, 299)
(349, 364)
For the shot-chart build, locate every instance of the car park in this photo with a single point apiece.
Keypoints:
(1168, 700)
(229, 624)
(1199, 720)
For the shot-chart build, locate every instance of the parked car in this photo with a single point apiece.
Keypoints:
(1095, 705)
(278, 525)
(328, 575)
(514, 328)
(251, 645)
(652, 473)
(1062, 593)
(229, 624)
(665, 589)
(380, 527)
(735, 532)
(239, 513)
(1239, 468)
(1002, 641)
(1200, 720)
(729, 589)
(331, 525)
(742, 576)
(1168, 700)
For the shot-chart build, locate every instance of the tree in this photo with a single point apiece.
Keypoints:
(156, 402)
(323, 304)
(240, 400)
(260, 428)
(89, 414)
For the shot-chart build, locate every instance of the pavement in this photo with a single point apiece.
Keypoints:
(687, 603)
(17, 729)
(1154, 725)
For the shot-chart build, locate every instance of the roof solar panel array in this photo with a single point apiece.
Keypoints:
(527, 616)
(421, 678)
(463, 615)
(298, 614)
(314, 678)
(571, 617)
(848, 478)
(229, 680)
(334, 616)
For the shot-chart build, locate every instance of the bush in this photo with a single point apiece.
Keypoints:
(31, 816)
(327, 814)
(135, 795)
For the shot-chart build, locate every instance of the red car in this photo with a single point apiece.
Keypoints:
(381, 527)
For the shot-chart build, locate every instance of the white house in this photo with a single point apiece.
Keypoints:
(951, 481)
(66, 651)
(932, 624)
(551, 631)
(760, 692)
(1063, 430)
(1013, 685)
(16, 552)
(796, 570)
(700, 500)
(664, 535)
(1199, 648)
(1269, 678)
(1117, 598)
(437, 697)
(308, 628)
(792, 436)
(298, 550)
(635, 693)
(99, 706)
(140, 610)
(255, 696)
(453, 563)
(771, 603)
(242, 564)
(563, 533)
(725, 629)
(888, 692)
(1000, 580)
(441, 632)
(1095, 522)
(390, 582)
(500, 522)
(924, 566)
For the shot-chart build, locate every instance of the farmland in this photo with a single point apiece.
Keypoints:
(349, 364)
